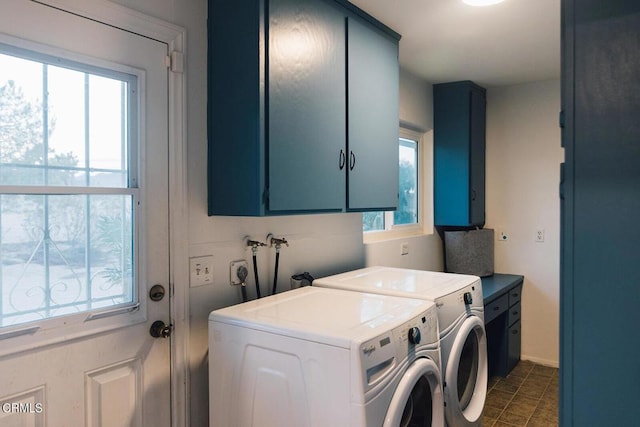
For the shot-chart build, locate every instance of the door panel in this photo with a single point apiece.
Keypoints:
(373, 119)
(477, 162)
(306, 106)
(104, 376)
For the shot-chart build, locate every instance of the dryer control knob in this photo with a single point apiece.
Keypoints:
(414, 335)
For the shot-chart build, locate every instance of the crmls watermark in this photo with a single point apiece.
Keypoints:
(22, 408)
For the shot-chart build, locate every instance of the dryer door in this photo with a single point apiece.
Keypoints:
(418, 399)
(466, 375)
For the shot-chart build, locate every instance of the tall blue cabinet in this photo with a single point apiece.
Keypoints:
(302, 108)
(459, 123)
(600, 209)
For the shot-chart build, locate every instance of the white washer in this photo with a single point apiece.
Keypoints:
(461, 319)
(325, 357)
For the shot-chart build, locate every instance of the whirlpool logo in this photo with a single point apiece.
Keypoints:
(22, 408)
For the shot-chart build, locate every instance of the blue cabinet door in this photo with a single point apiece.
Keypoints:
(373, 123)
(459, 113)
(306, 107)
(235, 157)
(477, 148)
(600, 276)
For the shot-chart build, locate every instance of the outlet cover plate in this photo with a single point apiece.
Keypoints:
(404, 248)
(233, 271)
(201, 271)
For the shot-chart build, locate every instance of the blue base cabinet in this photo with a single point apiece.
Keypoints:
(459, 123)
(302, 108)
(502, 314)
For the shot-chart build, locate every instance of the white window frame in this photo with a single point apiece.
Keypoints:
(36, 334)
(424, 226)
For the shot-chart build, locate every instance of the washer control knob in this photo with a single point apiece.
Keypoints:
(468, 299)
(414, 335)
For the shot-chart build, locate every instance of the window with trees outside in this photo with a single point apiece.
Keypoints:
(408, 215)
(68, 187)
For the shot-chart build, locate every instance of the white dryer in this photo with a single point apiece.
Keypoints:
(463, 340)
(325, 357)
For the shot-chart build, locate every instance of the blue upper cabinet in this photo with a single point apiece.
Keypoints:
(306, 89)
(459, 113)
(373, 81)
(282, 78)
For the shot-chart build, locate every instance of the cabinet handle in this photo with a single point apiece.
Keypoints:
(514, 332)
(473, 195)
(515, 313)
(496, 308)
(343, 159)
(352, 160)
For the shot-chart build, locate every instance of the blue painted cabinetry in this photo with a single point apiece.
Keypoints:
(502, 294)
(600, 209)
(297, 123)
(459, 115)
(373, 118)
(306, 92)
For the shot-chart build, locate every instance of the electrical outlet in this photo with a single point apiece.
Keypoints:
(539, 235)
(404, 248)
(502, 235)
(201, 270)
(235, 271)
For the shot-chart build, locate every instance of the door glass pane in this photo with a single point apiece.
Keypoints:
(62, 126)
(468, 370)
(407, 212)
(63, 254)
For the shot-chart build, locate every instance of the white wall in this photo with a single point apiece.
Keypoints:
(523, 161)
(416, 102)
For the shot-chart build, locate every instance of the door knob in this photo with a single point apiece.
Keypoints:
(160, 330)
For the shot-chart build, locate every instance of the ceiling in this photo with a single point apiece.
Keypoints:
(513, 42)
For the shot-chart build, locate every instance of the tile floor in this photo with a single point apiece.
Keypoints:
(528, 396)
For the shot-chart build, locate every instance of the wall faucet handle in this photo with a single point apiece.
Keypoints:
(255, 243)
(277, 241)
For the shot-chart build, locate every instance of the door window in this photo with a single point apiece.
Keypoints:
(68, 187)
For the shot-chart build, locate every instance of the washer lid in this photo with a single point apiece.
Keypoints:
(429, 285)
(328, 316)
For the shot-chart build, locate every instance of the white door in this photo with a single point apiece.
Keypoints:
(83, 220)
